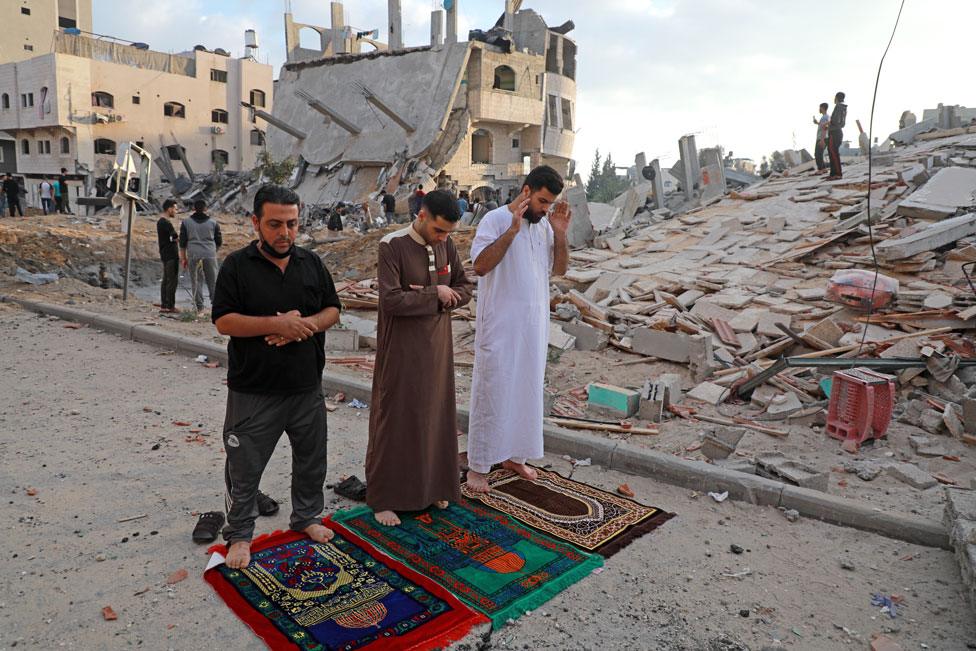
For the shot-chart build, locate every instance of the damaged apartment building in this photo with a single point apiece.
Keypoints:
(361, 116)
(70, 98)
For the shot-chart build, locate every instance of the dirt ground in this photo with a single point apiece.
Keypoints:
(88, 439)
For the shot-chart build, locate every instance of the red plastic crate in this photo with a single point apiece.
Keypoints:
(861, 402)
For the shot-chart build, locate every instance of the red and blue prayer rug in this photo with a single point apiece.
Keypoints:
(588, 517)
(342, 595)
(491, 561)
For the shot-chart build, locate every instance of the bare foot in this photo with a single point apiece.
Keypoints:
(441, 504)
(239, 555)
(522, 470)
(319, 533)
(477, 482)
(387, 518)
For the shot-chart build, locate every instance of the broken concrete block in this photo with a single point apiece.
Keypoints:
(583, 275)
(722, 442)
(587, 337)
(700, 356)
(365, 327)
(708, 310)
(827, 331)
(709, 392)
(345, 339)
(912, 475)
(689, 297)
(737, 464)
(969, 415)
(931, 238)
(949, 190)
(617, 400)
(745, 322)
(672, 346)
(783, 405)
(952, 419)
(768, 321)
(559, 339)
(763, 395)
(652, 402)
(580, 233)
(780, 468)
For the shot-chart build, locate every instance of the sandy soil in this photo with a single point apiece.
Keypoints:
(81, 413)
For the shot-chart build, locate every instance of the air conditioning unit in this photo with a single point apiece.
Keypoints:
(216, 130)
(115, 117)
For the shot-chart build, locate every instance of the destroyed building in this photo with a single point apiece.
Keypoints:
(469, 115)
(74, 97)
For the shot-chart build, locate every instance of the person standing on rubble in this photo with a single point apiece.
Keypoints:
(515, 249)
(835, 135)
(11, 190)
(823, 124)
(412, 455)
(169, 254)
(200, 239)
(389, 207)
(47, 196)
(416, 201)
(64, 205)
(275, 300)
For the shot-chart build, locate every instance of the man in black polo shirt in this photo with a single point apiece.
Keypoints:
(276, 301)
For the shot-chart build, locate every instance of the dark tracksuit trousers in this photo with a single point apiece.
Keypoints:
(818, 154)
(252, 427)
(171, 278)
(835, 137)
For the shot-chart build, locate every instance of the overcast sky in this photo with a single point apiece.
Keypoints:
(746, 74)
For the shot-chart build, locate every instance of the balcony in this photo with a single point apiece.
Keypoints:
(504, 106)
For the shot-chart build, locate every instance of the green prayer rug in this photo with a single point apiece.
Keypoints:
(488, 559)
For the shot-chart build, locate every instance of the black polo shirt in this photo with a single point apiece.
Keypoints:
(250, 284)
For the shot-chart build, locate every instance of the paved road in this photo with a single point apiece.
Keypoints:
(81, 413)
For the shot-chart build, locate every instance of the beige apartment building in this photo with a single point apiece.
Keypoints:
(75, 97)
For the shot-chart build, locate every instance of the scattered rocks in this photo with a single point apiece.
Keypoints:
(108, 614)
(736, 549)
(791, 515)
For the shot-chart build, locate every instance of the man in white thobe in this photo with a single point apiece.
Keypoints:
(515, 250)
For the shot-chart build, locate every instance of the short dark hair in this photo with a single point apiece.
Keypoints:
(169, 203)
(277, 194)
(839, 97)
(544, 177)
(824, 106)
(199, 205)
(64, 169)
(442, 203)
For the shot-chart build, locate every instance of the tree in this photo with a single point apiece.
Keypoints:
(276, 172)
(593, 183)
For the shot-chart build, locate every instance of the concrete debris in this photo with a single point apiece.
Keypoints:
(912, 475)
(780, 468)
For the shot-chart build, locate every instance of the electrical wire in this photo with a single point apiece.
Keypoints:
(874, 253)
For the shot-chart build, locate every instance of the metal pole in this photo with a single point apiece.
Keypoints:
(130, 213)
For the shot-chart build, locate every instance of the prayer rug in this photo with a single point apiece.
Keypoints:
(588, 517)
(343, 594)
(489, 560)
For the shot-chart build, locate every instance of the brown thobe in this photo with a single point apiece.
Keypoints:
(412, 456)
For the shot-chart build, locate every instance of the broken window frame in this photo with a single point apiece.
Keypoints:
(503, 83)
(220, 158)
(173, 152)
(174, 110)
(481, 133)
(104, 147)
(258, 94)
(101, 99)
(219, 116)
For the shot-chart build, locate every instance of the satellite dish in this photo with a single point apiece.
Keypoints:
(648, 172)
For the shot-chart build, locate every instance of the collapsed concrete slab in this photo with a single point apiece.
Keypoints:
(951, 189)
(928, 239)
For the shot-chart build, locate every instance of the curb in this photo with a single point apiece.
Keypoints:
(614, 455)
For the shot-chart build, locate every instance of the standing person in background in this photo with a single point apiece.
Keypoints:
(11, 190)
(823, 124)
(47, 197)
(169, 254)
(835, 135)
(463, 202)
(64, 206)
(200, 239)
(389, 207)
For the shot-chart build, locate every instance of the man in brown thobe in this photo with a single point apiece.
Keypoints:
(412, 457)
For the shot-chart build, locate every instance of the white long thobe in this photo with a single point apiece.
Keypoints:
(511, 341)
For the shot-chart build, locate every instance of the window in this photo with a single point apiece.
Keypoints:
(504, 78)
(104, 146)
(25, 147)
(218, 75)
(29, 48)
(174, 151)
(67, 23)
(515, 143)
(27, 100)
(25, 11)
(220, 157)
(136, 99)
(44, 147)
(567, 114)
(257, 98)
(102, 99)
(5, 102)
(552, 120)
(174, 110)
(480, 147)
(218, 115)
(65, 145)
(257, 137)
(140, 144)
